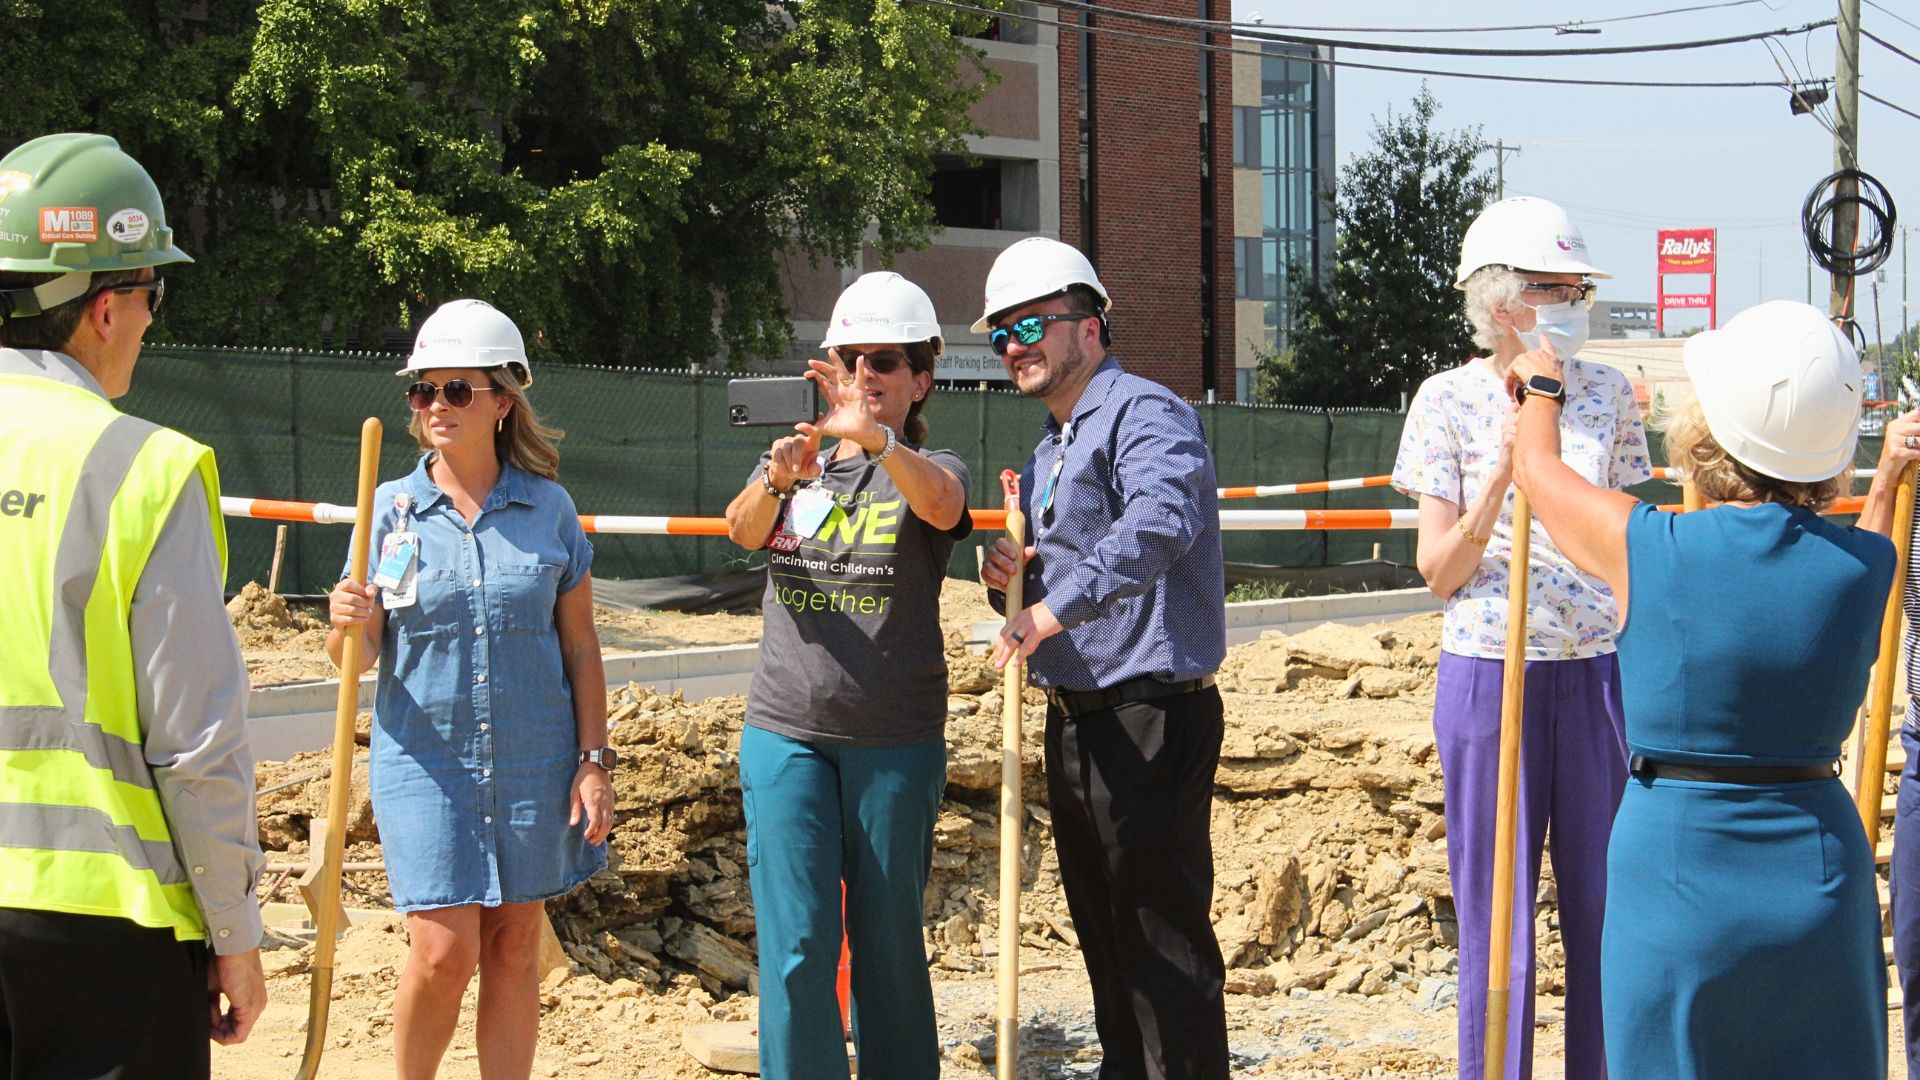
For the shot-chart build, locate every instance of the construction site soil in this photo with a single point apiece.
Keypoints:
(1331, 899)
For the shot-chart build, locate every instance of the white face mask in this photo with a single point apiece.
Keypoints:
(1565, 325)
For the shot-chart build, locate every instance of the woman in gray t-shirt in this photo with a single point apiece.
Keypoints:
(843, 759)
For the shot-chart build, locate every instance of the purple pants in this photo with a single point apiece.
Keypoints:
(1905, 892)
(1573, 767)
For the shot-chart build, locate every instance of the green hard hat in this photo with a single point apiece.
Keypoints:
(76, 203)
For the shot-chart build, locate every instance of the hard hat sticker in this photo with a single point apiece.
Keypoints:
(69, 223)
(129, 226)
(12, 180)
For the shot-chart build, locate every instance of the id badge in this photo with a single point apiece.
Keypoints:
(808, 510)
(397, 574)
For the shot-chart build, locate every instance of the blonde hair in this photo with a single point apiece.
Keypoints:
(1490, 289)
(521, 438)
(1692, 449)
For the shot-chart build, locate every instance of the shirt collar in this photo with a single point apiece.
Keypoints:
(48, 364)
(514, 486)
(1091, 398)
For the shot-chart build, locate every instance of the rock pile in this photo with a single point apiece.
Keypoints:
(1328, 837)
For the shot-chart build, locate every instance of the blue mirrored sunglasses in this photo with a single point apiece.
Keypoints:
(1027, 331)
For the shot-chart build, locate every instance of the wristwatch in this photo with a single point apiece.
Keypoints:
(603, 757)
(1543, 385)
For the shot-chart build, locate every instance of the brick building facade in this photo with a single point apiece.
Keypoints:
(1120, 147)
(1149, 127)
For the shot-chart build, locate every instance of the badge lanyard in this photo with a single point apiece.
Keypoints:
(1065, 439)
(398, 571)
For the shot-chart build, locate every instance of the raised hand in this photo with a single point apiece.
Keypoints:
(850, 413)
(794, 458)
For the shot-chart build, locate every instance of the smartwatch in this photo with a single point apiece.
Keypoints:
(603, 757)
(1543, 385)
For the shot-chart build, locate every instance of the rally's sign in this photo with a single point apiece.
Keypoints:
(1686, 251)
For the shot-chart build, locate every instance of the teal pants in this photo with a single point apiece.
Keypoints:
(819, 814)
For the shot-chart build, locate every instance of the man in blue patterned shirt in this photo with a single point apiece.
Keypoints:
(1125, 628)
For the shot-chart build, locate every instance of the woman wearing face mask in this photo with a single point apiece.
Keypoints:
(1527, 283)
(843, 758)
(490, 761)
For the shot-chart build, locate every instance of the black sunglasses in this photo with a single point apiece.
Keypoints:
(1027, 331)
(882, 363)
(156, 291)
(457, 392)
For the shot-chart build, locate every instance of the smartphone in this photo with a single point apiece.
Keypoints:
(769, 402)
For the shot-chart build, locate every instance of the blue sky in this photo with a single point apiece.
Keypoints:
(1627, 161)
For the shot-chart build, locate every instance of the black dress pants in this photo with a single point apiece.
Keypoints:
(1131, 791)
(88, 997)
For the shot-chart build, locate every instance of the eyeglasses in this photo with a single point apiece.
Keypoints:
(457, 392)
(1560, 294)
(1026, 331)
(156, 291)
(882, 363)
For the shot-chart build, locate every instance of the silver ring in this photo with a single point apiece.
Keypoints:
(1913, 442)
(1018, 637)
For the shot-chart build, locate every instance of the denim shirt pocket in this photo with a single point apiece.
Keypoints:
(524, 595)
(439, 610)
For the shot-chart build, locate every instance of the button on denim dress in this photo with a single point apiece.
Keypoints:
(474, 749)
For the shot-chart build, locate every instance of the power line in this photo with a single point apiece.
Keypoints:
(1888, 45)
(1563, 25)
(1891, 14)
(1890, 105)
(1879, 135)
(1812, 109)
(957, 5)
(1434, 50)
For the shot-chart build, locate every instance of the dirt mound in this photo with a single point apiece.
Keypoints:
(1331, 887)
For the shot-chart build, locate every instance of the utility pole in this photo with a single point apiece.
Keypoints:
(1846, 149)
(1500, 152)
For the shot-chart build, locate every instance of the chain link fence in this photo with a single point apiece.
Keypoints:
(285, 425)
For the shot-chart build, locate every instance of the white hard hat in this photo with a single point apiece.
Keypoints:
(1524, 233)
(469, 334)
(1780, 386)
(1034, 269)
(882, 308)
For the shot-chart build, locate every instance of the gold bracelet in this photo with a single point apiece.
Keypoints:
(1476, 541)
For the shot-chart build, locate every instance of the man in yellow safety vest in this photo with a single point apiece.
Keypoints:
(128, 845)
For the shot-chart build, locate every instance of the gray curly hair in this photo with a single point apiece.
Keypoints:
(1490, 289)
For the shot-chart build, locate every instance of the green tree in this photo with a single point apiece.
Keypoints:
(1387, 315)
(1898, 361)
(624, 177)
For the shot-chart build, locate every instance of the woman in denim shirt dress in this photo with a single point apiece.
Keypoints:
(488, 783)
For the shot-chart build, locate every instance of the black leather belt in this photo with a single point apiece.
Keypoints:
(1730, 774)
(1145, 688)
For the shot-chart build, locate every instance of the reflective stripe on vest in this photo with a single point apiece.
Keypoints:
(81, 825)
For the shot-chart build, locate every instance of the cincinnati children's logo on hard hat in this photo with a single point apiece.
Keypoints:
(1569, 243)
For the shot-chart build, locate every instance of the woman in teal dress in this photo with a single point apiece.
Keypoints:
(1742, 937)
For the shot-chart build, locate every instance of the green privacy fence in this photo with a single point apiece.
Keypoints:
(285, 425)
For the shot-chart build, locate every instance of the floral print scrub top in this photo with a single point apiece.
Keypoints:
(1447, 450)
